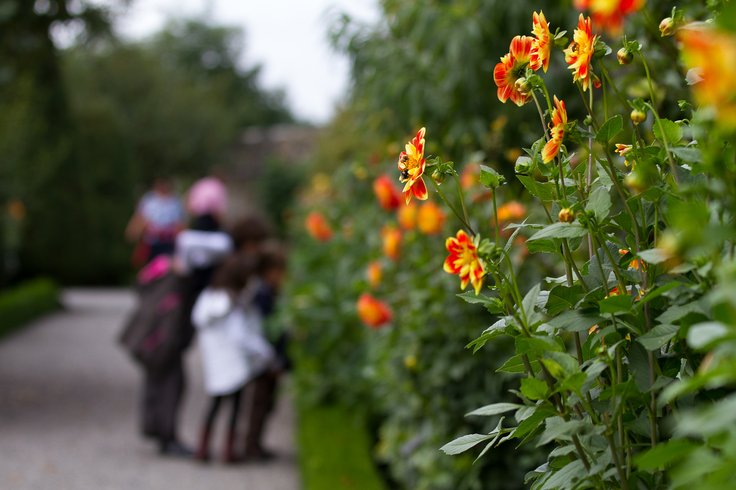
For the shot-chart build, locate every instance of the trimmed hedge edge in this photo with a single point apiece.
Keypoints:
(334, 449)
(26, 302)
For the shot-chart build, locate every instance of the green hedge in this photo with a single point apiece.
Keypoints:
(334, 450)
(27, 301)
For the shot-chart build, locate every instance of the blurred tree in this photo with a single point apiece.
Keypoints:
(84, 129)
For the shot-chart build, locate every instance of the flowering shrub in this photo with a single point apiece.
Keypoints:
(623, 360)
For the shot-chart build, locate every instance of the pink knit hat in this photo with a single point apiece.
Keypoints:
(207, 196)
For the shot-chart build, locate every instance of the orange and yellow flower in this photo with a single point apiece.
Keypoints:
(511, 68)
(634, 264)
(374, 274)
(556, 130)
(623, 149)
(411, 167)
(391, 242)
(580, 52)
(407, 216)
(610, 14)
(373, 312)
(430, 218)
(463, 261)
(318, 227)
(388, 195)
(542, 43)
(511, 211)
(710, 56)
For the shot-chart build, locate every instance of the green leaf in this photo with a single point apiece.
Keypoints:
(463, 443)
(566, 477)
(514, 364)
(658, 336)
(670, 131)
(599, 203)
(653, 256)
(495, 409)
(560, 364)
(530, 424)
(618, 303)
(543, 190)
(490, 178)
(687, 154)
(702, 335)
(610, 128)
(675, 313)
(534, 389)
(530, 300)
(556, 428)
(664, 454)
(562, 298)
(575, 321)
(536, 344)
(560, 230)
(493, 305)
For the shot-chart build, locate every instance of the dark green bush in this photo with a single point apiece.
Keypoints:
(27, 301)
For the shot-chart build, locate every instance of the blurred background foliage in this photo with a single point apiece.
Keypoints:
(84, 129)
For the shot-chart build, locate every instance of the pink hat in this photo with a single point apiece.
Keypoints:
(207, 196)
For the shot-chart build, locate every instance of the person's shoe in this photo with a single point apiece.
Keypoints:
(176, 449)
(203, 450)
(259, 455)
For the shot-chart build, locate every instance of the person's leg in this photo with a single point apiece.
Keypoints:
(261, 398)
(203, 450)
(229, 453)
(149, 403)
(171, 391)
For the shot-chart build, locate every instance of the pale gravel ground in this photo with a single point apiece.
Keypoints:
(68, 412)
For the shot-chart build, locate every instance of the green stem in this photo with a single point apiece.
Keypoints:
(452, 208)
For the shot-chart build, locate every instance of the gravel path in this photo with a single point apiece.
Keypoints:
(68, 412)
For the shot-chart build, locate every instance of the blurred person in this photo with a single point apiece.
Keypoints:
(232, 345)
(261, 391)
(158, 218)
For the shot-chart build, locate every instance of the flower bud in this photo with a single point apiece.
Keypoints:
(635, 182)
(667, 27)
(438, 176)
(624, 56)
(588, 121)
(638, 116)
(523, 86)
(566, 215)
(523, 166)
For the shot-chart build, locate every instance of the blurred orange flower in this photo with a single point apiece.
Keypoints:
(580, 52)
(16, 210)
(463, 261)
(388, 195)
(511, 68)
(318, 227)
(635, 264)
(470, 176)
(710, 56)
(511, 211)
(556, 130)
(374, 274)
(541, 44)
(407, 216)
(411, 166)
(430, 219)
(373, 312)
(391, 242)
(609, 14)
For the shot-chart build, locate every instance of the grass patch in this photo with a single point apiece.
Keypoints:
(334, 450)
(26, 302)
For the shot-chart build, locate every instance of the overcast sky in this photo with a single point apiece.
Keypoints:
(287, 37)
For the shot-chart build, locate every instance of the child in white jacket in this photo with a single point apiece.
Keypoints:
(232, 345)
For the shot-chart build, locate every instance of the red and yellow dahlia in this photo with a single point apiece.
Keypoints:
(411, 167)
(541, 44)
(391, 242)
(374, 274)
(511, 68)
(373, 312)
(710, 56)
(580, 52)
(388, 195)
(609, 14)
(557, 131)
(464, 261)
(430, 218)
(318, 227)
